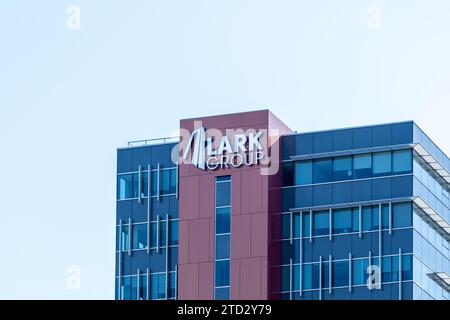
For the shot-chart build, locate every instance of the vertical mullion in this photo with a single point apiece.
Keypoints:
(130, 229)
(400, 276)
(290, 279)
(148, 285)
(140, 185)
(120, 260)
(360, 221)
(350, 270)
(331, 223)
(149, 206)
(158, 179)
(390, 218)
(167, 257)
(291, 223)
(311, 220)
(301, 254)
(320, 278)
(138, 283)
(330, 274)
(176, 282)
(157, 233)
(380, 239)
(177, 181)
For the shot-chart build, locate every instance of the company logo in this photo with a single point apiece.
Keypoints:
(219, 151)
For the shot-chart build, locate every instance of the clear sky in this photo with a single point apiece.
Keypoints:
(70, 97)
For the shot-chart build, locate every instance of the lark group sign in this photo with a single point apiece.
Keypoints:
(206, 154)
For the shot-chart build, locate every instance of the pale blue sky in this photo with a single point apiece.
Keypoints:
(68, 99)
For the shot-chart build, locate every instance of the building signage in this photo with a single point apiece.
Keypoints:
(208, 154)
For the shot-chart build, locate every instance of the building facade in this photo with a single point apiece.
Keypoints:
(242, 207)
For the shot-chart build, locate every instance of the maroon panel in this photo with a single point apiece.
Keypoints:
(199, 240)
(240, 236)
(254, 219)
(250, 280)
(188, 282)
(206, 281)
(259, 240)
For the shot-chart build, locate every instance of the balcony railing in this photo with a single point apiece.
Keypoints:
(150, 142)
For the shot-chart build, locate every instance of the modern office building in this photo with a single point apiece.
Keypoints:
(242, 207)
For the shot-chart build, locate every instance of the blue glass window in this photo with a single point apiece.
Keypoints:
(143, 287)
(295, 277)
(386, 269)
(223, 194)
(173, 181)
(296, 226)
(306, 224)
(222, 273)
(144, 188)
(285, 277)
(362, 166)
(355, 219)
(139, 236)
(370, 218)
(385, 216)
(382, 164)
(172, 285)
(222, 293)
(342, 168)
(303, 172)
(340, 273)
(288, 173)
(165, 181)
(402, 214)
(127, 186)
(173, 236)
(323, 170)
(154, 234)
(359, 270)
(155, 186)
(342, 221)
(394, 268)
(402, 161)
(118, 235)
(223, 220)
(222, 237)
(285, 226)
(125, 289)
(407, 267)
(134, 288)
(326, 274)
(223, 246)
(321, 222)
(311, 276)
(125, 238)
(158, 286)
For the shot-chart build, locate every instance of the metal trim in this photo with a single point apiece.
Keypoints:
(350, 271)
(167, 257)
(157, 233)
(158, 179)
(400, 278)
(130, 231)
(149, 207)
(140, 184)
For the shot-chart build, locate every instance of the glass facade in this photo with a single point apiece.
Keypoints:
(358, 166)
(355, 219)
(147, 227)
(350, 215)
(222, 238)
